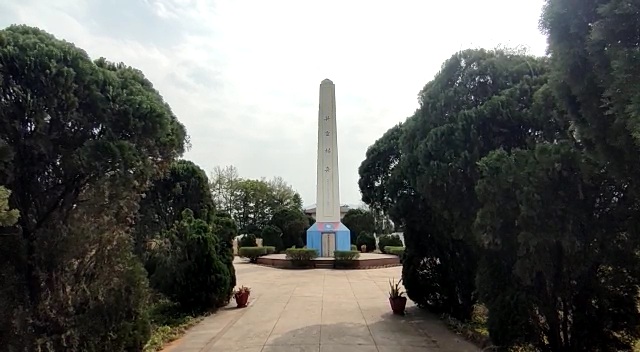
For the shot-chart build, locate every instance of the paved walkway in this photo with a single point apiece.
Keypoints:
(319, 310)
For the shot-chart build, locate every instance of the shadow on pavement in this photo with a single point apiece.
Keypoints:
(416, 331)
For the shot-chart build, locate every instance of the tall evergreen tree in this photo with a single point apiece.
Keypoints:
(559, 270)
(596, 60)
(79, 141)
(479, 102)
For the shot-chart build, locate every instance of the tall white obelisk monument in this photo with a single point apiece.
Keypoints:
(328, 234)
(328, 186)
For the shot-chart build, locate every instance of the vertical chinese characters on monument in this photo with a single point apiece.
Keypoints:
(327, 161)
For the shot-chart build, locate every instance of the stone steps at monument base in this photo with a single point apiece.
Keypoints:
(324, 265)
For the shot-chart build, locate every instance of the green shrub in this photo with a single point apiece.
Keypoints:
(252, 253)
(388, 240)
(269, 249)
(192, 273)
(272, 236)
(301, 257)
(346, 259)
(399, 251)
(168, 323)
(226, 230)
(248, 241)
(346, 255)
(354, 247)
(366, 239)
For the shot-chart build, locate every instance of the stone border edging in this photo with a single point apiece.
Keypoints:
(375, 263)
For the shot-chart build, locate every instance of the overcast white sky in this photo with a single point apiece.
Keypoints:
(243, 75)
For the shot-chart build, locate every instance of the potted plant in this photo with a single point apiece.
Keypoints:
(396, 299)
(242, 296)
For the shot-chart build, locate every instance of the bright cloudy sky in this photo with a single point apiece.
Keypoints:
(243, 75)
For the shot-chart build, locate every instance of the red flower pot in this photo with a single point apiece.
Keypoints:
(398, 304)
(242, 299)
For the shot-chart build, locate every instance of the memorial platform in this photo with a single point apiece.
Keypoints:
(366, 261)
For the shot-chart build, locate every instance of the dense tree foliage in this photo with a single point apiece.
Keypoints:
(272, 236)
(389, 240)
(515, 183)
(366, 239)
(191, 271)
(479, 102)
(183, 186)
(81, 139)
(560, 271)
(594, 50)
(380, 181)
(248, 240)
(226, 230)
(161, 224)
(359, 221)
(251, 203)
(293, 223)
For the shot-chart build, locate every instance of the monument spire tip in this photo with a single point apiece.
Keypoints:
(326, 81)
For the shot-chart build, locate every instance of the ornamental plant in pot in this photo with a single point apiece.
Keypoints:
(396, 299)
(242, 296)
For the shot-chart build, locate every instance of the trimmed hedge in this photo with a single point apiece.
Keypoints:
(269, 249)
(399, 251)
(301, 257)
(346, 259)
(354, 247)
(252, 253)
(346, 255)
(388, 240)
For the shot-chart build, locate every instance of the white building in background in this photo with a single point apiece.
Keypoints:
(311, 210)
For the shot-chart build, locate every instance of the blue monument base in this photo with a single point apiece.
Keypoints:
(342, 233)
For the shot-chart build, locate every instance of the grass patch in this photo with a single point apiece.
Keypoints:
(474, 330)
(167, 324)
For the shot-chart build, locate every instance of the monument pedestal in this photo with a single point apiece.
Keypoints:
(327, 237)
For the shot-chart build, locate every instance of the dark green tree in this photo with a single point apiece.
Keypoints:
(380, 179)
(365, 238)
(359, 221)
(81, 140)
(425, 171)
(248, 241)
(293, 223)
(191, 271)
(184, 186)
(389, 240)
(560, 271)
(382, 182)
(226, 231)
(272, 236)
(311, 220)
(480, 101)
(594, 51)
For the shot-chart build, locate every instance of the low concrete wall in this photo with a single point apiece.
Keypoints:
(369, 263)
